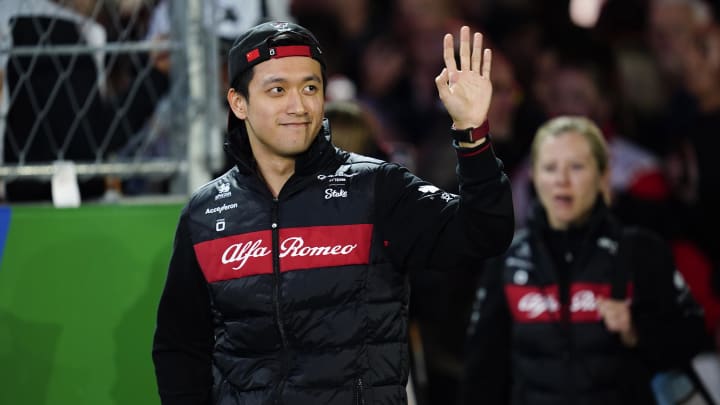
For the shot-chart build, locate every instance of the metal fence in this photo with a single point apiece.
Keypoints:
(123, 88)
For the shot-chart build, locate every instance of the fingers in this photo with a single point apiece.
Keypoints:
(449, 52)
(487, 63)
(465, 48)
(477, 52)
(472, 55)
(615, 314)
(617, 318)
(441, 81)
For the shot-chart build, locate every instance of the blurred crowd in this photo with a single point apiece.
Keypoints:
(646, 72)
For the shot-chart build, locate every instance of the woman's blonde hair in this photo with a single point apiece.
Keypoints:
(580, 125)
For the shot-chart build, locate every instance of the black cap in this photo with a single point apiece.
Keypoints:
(256, 46)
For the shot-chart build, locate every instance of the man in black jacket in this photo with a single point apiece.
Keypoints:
(288, 278)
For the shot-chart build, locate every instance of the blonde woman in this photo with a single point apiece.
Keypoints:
(581, 310)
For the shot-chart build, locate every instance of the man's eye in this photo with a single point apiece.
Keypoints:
(276, 90)
(311, 88)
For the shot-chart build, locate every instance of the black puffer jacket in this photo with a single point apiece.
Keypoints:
(303, 299)
(537, 338)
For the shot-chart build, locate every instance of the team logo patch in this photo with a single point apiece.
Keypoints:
(336, 184)
(221, 209)
(542, 304)
(281, 26)
(432, 192)
(608, 244)
(428, 189)
(301, 248)
(332, 193)
(223, 189)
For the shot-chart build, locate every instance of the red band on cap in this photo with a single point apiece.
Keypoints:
(290, 50)
(252, 55)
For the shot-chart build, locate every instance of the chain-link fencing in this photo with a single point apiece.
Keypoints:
(127, 90)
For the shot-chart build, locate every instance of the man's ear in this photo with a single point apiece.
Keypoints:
(237, 104)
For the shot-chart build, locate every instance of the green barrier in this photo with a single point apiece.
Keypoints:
(78, 295)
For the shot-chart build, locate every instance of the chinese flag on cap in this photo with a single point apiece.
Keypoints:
(252, 55)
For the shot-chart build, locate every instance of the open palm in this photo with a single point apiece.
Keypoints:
(466, 92)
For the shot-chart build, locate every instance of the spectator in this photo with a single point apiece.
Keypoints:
(352, 128)
(226, 19)
(683, 35)
(383, 85)
(581, 80)
(59, 106)
(580, 310)
(697, 181)
(673, 28)
(507, 99)
(41, 92)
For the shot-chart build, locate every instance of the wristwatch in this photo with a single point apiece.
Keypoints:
(470, 135)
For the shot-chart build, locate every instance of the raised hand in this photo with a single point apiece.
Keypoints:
(617, 318)
(466, 92)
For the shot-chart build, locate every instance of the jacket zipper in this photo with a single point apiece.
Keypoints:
(359, 397)
(276, 294)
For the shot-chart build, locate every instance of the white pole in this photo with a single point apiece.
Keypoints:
(198, 173)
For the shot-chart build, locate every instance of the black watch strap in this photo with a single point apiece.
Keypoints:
(470, 135)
